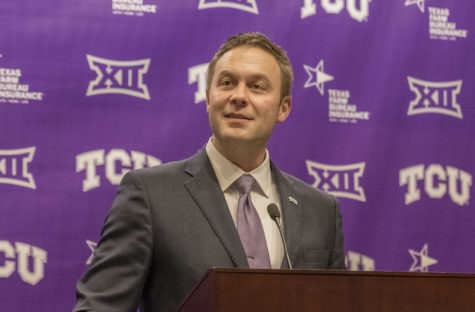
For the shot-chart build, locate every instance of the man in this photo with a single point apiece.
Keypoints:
(171, 223)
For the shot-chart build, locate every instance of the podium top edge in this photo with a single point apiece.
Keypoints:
(338, 272)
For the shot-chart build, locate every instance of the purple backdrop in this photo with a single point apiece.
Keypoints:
(383, 118)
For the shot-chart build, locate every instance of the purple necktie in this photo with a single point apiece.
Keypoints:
(250, 227)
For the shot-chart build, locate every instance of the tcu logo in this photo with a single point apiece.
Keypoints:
(340, 181)
(89, 161)
(335, 6)
(118, 77)
(249, 5)
(357, 262)
(14, 167)
(21, 253)
(437, 181)
(198, 74)
(435, 97)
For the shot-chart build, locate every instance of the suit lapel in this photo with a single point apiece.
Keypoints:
(204, 188)
(291, 206)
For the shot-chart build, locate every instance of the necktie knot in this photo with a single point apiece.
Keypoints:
(244, 184)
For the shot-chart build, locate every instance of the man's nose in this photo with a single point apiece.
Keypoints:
(239, 95)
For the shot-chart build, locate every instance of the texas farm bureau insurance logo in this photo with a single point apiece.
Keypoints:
(440, 27)
(13, 90)
(435, 97)
(14, 167)
(132, 7)
(338, 180)
(118, 77)
(339, 107)
(243, 5)
(17, 258)
(357, 9)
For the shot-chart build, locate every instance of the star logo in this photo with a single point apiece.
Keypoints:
(421, 260)
(317, 77)
(420, 4)
(92, 246)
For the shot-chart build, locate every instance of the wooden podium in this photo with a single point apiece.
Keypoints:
(245, 290)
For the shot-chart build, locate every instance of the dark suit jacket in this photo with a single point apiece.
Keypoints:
(169, 224)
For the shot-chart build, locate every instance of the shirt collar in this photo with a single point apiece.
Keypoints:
(227, 172)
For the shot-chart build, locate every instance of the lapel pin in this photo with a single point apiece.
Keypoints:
(293, 200)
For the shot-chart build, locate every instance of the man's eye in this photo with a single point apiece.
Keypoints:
(258, 86)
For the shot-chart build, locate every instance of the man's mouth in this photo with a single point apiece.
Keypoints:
(238, 116)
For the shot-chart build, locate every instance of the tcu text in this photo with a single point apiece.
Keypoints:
(117, 163)
(14, 167)
(17, 258)
(118, 77)
(340, 181)
(309, 8)
(437, 182)
(198, 74)
(358, 262)
(435, 97)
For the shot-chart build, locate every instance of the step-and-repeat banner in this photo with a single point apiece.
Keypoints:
(383, 118)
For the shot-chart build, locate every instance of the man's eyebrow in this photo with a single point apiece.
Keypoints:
(261, 77)
(256, 76)
(225, 73)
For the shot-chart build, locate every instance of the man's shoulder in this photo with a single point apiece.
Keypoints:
(164, 168)
(169, 170)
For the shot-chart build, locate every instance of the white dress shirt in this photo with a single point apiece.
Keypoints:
(263, 193)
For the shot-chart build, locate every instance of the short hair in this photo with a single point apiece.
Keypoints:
(257, 40)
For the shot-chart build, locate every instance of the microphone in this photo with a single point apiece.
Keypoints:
(275, 215)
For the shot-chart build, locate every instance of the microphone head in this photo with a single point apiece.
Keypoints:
(273, 211)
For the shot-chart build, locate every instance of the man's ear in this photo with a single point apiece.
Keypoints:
(285, 108)
(207, 99)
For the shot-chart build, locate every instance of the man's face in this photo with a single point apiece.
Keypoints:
(243, 101)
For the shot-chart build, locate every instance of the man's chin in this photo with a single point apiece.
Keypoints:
(236, 139)
(233, 137)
